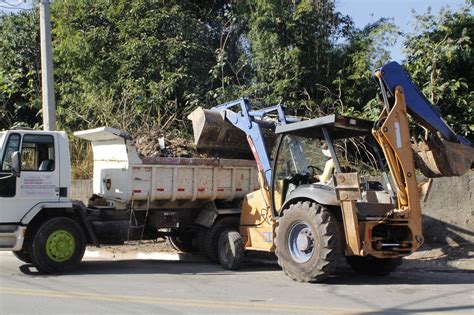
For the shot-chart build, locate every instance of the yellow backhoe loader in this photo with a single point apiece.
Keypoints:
(334, 186)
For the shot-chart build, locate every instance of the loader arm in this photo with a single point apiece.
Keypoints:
(401, 97)
(392, 75)
(240, 115)
(442, 152)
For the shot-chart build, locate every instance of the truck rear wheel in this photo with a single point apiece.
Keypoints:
(182, 243)
(373, 266)
(58, 245)
(23, 256)
(307, 242)
(212, 235)
(231, 249)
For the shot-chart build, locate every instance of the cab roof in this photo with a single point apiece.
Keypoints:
(338, 126)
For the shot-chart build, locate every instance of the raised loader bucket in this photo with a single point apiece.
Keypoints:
(216, 136)
(437, 157)
(213, 135)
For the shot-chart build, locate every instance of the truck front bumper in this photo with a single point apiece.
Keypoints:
(12, 237)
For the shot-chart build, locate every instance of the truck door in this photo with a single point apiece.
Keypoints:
(39, 178)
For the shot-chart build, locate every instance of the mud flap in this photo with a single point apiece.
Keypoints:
(438, 158)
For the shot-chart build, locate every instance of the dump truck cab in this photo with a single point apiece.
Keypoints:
(34, 175)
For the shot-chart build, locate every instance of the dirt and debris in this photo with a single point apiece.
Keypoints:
(157, 143)
(145, 246)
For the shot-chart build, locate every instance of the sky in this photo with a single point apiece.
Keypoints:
(366, 11)
(361, 11)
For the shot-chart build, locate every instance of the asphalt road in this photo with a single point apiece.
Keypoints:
(174, 287)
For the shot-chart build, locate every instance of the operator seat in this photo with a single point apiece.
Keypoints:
(46, 165)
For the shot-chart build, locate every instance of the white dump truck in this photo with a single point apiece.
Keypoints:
(189, 200)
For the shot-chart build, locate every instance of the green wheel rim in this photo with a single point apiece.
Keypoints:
(60, 245)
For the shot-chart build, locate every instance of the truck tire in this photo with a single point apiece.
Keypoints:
(58, 245)
(307, 242)
(231, 250)
(182, 243)
(373, 266)
(201, 240)
(23, 256)
(211, 237)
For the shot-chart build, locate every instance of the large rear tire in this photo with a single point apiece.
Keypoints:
(307, 242)
(58, 245)
(373, 266)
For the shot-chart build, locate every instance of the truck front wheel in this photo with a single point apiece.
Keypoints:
(23, 256)
(307, 242)
(58, 245)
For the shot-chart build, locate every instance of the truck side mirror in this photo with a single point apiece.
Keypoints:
(16, 163)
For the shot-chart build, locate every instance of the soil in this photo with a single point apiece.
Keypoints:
(176, 145)
(148, 246)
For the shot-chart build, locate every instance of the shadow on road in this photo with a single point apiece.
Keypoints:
(343, 276)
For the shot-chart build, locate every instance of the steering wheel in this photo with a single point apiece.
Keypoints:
(314, 170)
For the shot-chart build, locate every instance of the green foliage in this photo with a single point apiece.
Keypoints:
(440, 59)
(145, 64)
(19, 69)
(366, 50)
(131, 64)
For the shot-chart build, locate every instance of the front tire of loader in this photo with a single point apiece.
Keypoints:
(307, 242)
(373, 266)
(58, 245)
(231, 250)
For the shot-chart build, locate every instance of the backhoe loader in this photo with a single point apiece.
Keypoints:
(368, 208)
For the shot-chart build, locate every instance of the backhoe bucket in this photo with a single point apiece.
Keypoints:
(213, 135)
(437, 158)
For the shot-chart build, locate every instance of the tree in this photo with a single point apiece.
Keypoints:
(131, 63)
(20, 82)
(440, 59)
(366, 49)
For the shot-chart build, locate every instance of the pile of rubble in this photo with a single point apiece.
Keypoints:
(157, 143)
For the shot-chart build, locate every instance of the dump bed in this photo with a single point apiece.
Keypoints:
(121, 176)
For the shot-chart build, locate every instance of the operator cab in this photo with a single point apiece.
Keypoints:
(309, 152)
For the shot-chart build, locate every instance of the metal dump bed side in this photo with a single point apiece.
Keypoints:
(121, 176)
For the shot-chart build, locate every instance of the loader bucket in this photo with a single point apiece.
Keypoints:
(214, 135)
(438, 158)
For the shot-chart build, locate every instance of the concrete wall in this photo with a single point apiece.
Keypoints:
(448, 213)
(81, 189)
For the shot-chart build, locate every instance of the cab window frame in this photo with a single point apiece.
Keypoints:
(37, 162)
(6, 150)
